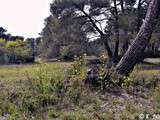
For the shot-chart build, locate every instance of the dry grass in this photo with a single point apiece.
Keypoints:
(20, 72)
(45, 94)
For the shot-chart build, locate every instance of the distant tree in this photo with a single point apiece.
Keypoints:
(62, 32)
(32, 45)
(2, 30)
(84, 15)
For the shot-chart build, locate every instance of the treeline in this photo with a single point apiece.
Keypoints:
(16, 49)
(94, 27)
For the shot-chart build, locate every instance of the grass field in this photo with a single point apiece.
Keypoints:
(41, 92)
(21, 72)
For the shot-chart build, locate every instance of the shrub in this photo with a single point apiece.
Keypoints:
(67, 53)
(77, 69)
(18, 51)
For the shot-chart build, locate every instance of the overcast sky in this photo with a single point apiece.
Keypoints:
(24, 17)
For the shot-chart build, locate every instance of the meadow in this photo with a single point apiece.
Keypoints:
(56, 91)
(20, 72)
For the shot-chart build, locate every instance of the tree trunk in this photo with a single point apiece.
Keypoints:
(104, 40)
(139, 19)
(116, 27)
(136, 50)
(122, 6)
(126, 41)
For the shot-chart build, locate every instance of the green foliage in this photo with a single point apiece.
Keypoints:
(73, 116)
(2, 42)
(75, 94)
(15, 51)
(67, 53)
(103, 80)
(54, 113)
(128, 82)
(67, 38)
(77, 68)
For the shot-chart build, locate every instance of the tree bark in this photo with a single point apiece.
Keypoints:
(139, 19)
(136, 50)
(116, 27)
(126, 41)
(104, 40)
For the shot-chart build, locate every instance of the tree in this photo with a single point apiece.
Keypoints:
(61, 32)
(2, 30)
(115, 22)
(93, 14)
(136, 50)
(90, 24)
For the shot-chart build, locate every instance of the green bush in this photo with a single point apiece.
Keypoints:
(17, 51)
(67, 53)
(78, 68)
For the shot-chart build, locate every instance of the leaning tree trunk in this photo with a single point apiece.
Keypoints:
(136, 50)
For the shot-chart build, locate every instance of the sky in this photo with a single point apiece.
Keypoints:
(24, 17)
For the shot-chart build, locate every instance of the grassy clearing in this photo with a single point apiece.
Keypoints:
(21, 72)
(56, 91)
(150, 72)
(147, 71)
